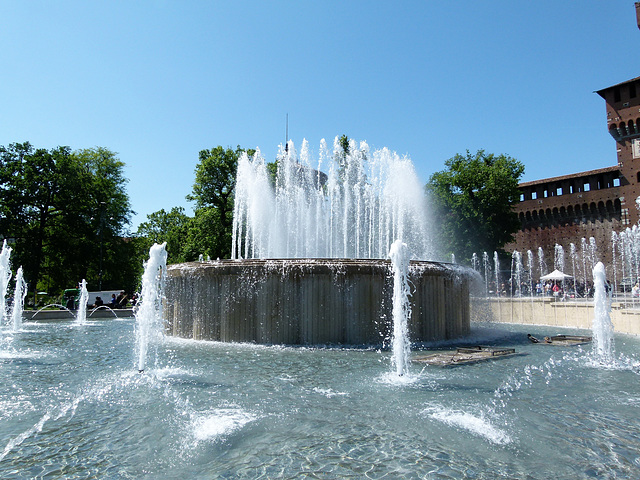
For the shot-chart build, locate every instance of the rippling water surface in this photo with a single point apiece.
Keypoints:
(72, 405)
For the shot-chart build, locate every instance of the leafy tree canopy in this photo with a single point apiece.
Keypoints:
(213, 192)
(66, 214)
(474, 198)
(171, 227)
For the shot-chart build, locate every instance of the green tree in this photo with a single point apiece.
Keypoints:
(213, 192)
(474, 198)
(171, 227)
(66, 213)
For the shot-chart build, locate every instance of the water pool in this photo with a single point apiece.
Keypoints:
(74, 406)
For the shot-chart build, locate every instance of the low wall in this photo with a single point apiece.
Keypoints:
(48, 315)
(548, 311)
(311, 302)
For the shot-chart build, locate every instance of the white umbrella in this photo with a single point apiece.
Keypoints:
(555, 275)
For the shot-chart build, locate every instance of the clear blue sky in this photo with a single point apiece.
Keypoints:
(158, 81)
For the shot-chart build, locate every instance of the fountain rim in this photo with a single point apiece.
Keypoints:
(330, 264)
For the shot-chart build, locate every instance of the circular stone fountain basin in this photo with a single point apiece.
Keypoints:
(312, 301)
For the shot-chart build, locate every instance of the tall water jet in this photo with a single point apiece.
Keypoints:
(496, 261)
(367, 200)
(602, 326)
(81, 315)
(614, 246)
(516, 273)
(593, 248)
(558, 264)
(530, 268)
(149, 326)
(487, 272)
(541, 263)
(399, 255)
(5, 276)
(18, 300)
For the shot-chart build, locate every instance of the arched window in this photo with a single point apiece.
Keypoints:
(617, 205)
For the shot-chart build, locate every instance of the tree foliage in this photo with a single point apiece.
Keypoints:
(65, 214)
(213, 193)
(171, 227)
(474, 198)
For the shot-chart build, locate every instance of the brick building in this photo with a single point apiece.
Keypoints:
(564, 210)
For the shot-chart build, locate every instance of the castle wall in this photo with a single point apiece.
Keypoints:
(592, 204)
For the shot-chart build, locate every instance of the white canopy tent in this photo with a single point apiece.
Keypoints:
(555, 275)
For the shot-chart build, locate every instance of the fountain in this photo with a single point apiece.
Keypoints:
(602, 326)
(81, 314)
(5, 276)
(308, 257)
(401, 307)
(149, 312)
(18, 300)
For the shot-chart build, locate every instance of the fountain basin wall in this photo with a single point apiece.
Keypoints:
(311, 302)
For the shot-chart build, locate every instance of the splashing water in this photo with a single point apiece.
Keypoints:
(602, 326)
(487, 272)
(18, 300)
(149, 314)
(399, 255)
(367, 200)
(5, 276)
(517, 269)
(496, 262)
(84, 299)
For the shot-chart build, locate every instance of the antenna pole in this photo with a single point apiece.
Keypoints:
(286, 140)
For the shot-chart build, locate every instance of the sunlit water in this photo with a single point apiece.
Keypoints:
(72, 405)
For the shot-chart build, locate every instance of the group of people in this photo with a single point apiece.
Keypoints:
(550, 288)
(121, 301)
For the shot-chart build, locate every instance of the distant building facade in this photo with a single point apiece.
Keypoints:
(594, 204)
(564, 210)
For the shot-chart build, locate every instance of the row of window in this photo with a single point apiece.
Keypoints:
(625, 129)
(602, 210)
(617, 94)
(556, 191)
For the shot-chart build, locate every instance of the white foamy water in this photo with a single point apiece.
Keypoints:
(327, 392)
(476, 424)
(220, 422)
(392, 378)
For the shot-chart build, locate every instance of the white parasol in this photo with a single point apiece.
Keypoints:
(555, 275)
